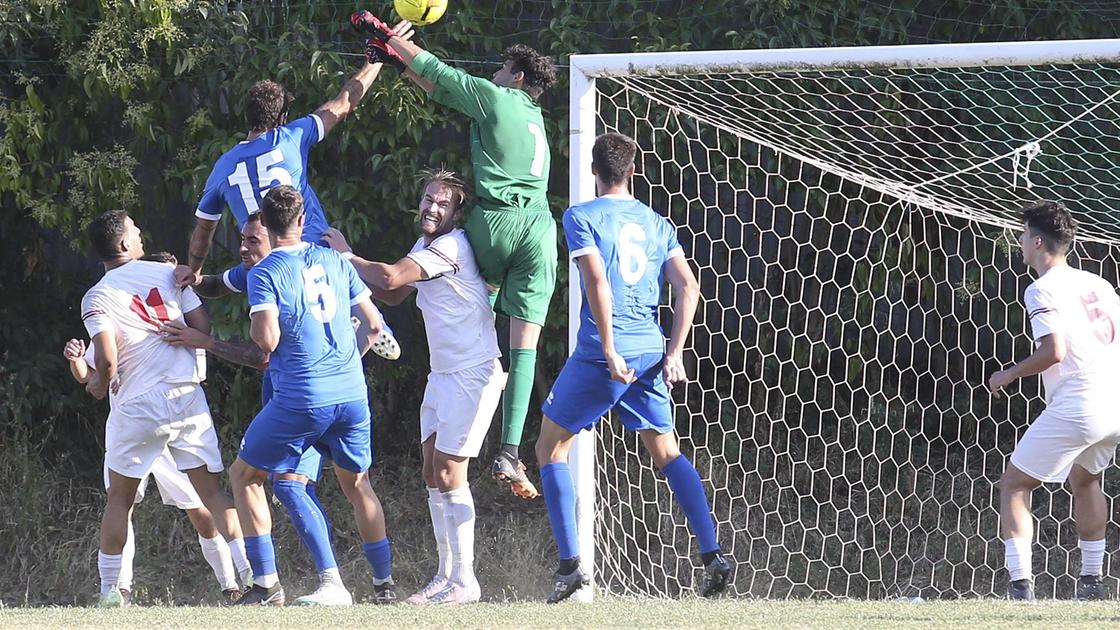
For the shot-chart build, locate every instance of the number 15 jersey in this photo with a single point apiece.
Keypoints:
(244, 175)
(1085, 310)
(311, 288)
(634, 243)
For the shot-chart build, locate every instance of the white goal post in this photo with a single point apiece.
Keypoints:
(849, 211)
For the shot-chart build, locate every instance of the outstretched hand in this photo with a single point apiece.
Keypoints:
(336, 240)
(369, 24)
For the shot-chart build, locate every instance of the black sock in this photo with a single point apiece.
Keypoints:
(569, 566)
(510, 451)
(707, 558)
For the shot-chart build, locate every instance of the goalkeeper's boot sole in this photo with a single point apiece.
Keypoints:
(258, 595)
(717, 574)
(512, 473)
(565, 585)
(1089, 588)
(1021, 590)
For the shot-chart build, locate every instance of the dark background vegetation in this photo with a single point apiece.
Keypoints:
(127, 104)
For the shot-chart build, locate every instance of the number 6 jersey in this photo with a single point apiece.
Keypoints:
(134, 301)
(634, 243)
(1084, 309)
(311, 288)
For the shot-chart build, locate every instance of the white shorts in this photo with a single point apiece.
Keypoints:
(459, 406)
(171, 417)
(173, 484)
(1054, 443)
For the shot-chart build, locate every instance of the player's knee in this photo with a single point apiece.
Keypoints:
(1082, 482)
(288, 491)
(242, 474)
(1015, 480)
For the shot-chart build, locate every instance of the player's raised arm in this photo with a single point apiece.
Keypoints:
(355, 88)
(687, 292)
(201, 238)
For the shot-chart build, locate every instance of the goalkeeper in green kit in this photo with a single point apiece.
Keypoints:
(511, 228)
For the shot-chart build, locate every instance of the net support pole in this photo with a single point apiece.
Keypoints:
(581, 187)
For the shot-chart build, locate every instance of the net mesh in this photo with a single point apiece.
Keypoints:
(853, 233)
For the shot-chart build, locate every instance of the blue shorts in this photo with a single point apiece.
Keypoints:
(584, 392)
(278, 437)
(312, 461)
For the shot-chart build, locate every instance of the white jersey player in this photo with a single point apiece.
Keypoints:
(1074, 317)
(175, 489)
(156, 400)
(466, 379)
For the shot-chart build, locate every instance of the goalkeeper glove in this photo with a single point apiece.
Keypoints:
(369, 24)
(381, 52)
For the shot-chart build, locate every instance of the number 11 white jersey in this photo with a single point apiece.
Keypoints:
(1084, 309)
(134, 301)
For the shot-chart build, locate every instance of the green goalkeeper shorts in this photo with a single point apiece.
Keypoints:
(516, 252)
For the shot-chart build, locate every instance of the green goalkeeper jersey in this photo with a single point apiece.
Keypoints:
(509, 151)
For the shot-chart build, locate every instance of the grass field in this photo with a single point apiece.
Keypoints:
(964, 614)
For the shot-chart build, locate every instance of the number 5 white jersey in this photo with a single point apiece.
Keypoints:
(134, 301)
(1084, 309)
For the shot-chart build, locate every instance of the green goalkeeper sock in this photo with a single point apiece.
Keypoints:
(519, 386)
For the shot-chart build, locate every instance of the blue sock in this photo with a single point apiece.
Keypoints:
(262, 557)
(311, 492)
(308, 520)
(689, 493)
(560, 499)
(380, 556)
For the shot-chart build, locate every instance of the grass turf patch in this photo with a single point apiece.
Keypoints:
(605, 612)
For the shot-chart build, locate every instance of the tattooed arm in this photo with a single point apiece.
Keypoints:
(239, 352)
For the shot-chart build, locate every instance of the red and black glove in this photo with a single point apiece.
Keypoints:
(381, 52)
(369, 24)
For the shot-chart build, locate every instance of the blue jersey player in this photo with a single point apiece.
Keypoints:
(295, 490)
(624, 250)
(273, 154)
(301, 300)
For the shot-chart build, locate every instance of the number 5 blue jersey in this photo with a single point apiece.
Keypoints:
(312, 289)
(634, 242)
(243, 175)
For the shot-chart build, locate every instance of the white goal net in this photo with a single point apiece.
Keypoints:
(852, 215)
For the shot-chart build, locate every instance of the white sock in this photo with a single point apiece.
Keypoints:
(1092, 556)
(439, 529)
(331, 576)
(217, 554)
(240, 560)
(124, 579)
(1017, 555)
(109, 567)
(459, 516)
(266, 581)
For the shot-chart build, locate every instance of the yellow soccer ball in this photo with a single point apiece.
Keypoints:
(420, 12)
